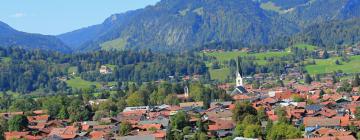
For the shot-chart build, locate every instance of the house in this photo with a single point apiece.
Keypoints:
(220, 128)
(69, 132)
(329, 138)
(105, 70)
(97, 135)
(191, 104)
(145, 137)
(327, 132)
(21, 135)
(97, 101)
(218, 113)
(222, 104)
(313, 123)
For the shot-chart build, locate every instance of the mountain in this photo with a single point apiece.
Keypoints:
(184, 24)
(181, 24)
(308, 12)
(10, 37)
(344, 32)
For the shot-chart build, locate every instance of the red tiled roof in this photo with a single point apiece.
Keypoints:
(322, 122)
(85, 127)
(148, 126)
(39, 112)
(344, 121)
(241, 97)
(41, 118)
(283, 95)
(355, 98)
(328, 112)
(329, 138)
(68, 132)
(157, 134)
(15, 135)
(97, 134)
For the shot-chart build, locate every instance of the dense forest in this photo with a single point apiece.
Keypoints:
(24, 71)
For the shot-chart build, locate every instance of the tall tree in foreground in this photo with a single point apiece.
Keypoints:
(3, 127)
(18, 123)
(242, 110)
(125, 129)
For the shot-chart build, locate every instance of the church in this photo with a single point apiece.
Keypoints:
(239, 88)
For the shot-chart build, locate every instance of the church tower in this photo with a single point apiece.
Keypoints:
(186, 90)
(239, 74)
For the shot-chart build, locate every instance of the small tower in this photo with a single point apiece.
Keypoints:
(239, 74)
(186, 92)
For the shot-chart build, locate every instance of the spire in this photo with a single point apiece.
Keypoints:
(239, 74)
(239, 69)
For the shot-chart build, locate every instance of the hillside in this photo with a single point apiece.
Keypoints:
(308, 12)
(10, 37)
(178, 24)
(331, 33)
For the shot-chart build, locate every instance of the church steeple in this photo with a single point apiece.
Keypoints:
(239, 74)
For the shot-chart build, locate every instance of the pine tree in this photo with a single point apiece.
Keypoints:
(326, 55)
(337, 62)
(308, 79)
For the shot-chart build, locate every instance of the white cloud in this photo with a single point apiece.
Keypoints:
(18, 15)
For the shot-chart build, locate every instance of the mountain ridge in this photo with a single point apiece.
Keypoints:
(178, 24)
(10, 37)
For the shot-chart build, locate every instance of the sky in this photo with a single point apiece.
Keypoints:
(53, 17)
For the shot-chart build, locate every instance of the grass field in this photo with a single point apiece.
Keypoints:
(224, 56)
(329, 66)
(219, 74)
(79, 83)
(304, 47)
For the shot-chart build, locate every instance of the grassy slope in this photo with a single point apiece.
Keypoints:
(271, 7)
(5, 59)
(304, 47)
(225, 56)
(328, 66)
(79, 83)
(117, 44)
(221, 74)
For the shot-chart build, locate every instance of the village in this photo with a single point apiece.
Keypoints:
(319, 108)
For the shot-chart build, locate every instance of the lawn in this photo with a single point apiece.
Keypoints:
(219, 74)
(79, 83)
(303, 47)
(329, 66)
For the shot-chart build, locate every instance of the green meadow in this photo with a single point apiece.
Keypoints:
(79, 83)
(221, 74)
(303, 47)
(225, 56)
(329, 66)
(116, 44)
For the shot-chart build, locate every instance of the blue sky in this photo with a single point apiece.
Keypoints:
(54, 17)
